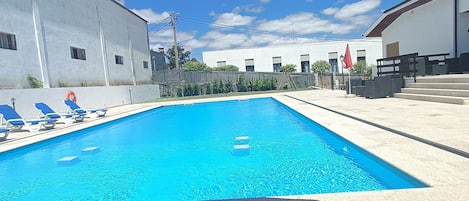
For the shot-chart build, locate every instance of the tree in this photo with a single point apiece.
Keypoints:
(226, 68)
(320, 67)
(195, 66)
(183, 56)
(288, 68)
(361, 68)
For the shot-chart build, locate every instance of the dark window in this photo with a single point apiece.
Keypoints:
(78, 53)
(145, 64)
(276, 63)
(361, 55)
(277, 67)
(334, 67)
(221, 63)
(249, 64)
(305, 66)
(361, 59)
(7, 41)
(119, 59)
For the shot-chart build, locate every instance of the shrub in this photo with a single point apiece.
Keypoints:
(62, 84)
(208, 89)
(241, 84)
(84, 84)
(179, 92)
(33, 82)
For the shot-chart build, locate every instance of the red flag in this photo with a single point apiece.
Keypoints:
(347, 58)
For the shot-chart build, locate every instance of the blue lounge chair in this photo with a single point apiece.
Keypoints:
(4, 133)
(76, 109)
(61, 118)
(14, 121)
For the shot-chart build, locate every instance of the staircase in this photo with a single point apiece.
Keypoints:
(442, 88)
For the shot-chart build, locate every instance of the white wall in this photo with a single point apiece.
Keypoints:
(44, 50)
(15, 65)
(87, 97)
(463, 6)
(290, 54)
(463, 30)
(427, 29)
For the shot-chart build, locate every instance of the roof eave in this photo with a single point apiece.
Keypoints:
(390, 15)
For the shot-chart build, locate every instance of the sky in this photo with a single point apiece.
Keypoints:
(207, 25)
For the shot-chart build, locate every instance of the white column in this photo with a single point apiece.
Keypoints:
(132, 67)
(41, 45)
(103, 47)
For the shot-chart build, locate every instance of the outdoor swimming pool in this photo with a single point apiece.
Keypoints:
(186, 152)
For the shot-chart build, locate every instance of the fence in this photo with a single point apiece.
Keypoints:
(170, 80)
(340, 80)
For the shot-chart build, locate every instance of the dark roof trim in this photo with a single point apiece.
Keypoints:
(119, 4)
(390, 15)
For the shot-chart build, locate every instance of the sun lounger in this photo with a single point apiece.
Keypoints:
(4, 133)
(77, 109)
(61, 118)
(15, 122)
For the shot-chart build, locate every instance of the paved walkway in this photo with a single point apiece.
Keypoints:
(445, 124)
(433, 123)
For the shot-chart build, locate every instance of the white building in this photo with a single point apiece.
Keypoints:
(269, 59)
(72, 43)
(424, 26)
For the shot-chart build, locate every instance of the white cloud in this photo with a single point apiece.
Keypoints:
(248, 9)
(150, 16)
(265, 1)
(291, 29)
(357, 8)
(330, 11)
(252, 9)
(232, 19)
(303, 24)
(212, 13)
(165, 37)
(219, 40)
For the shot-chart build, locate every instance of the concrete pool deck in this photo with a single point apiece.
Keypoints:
(436, 125)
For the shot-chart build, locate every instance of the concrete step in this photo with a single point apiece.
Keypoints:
(434, 98)
(458, 86)
(437, 92)
(456, 78)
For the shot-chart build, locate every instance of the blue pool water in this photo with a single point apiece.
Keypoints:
(186, 152)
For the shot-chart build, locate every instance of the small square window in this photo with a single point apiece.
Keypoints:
(78, 53)
(7, 41)
(145, 64)
(221, 63)
(119, 59)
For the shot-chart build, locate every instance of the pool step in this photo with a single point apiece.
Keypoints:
(90, 150)
(242, 140)
(241, 146)
(72, 160)
(68, 160)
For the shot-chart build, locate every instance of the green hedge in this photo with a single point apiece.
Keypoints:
(219, 86)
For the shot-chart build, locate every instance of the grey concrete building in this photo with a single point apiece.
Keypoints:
(72, 43)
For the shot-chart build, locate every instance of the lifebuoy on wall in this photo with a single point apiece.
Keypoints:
(70, 95)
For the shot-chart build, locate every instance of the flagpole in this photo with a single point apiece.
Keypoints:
(349, 84)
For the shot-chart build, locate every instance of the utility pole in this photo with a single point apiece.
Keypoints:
(176, 53)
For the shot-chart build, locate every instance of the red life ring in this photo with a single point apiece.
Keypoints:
(70, 95)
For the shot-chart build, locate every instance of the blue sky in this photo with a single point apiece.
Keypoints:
(205, 25)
